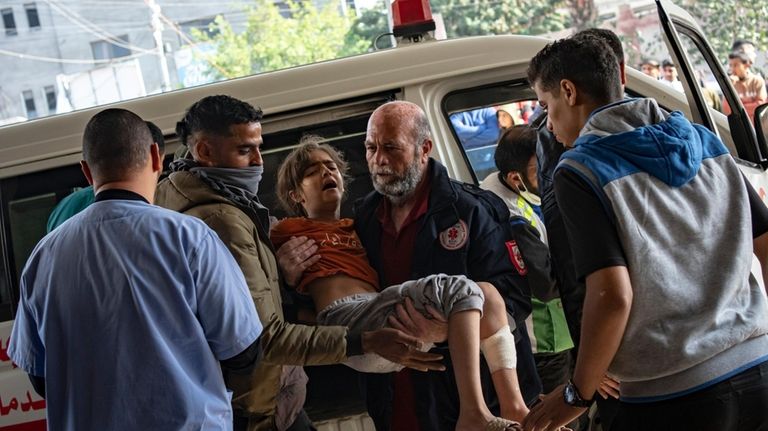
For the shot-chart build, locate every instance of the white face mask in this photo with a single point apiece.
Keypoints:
(532, 198)
(528, 195)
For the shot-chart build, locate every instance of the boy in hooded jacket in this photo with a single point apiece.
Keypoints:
(663, 227)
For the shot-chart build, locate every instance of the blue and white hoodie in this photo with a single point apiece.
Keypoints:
(680, 207)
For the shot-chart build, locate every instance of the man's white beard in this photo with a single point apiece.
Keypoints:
(403, 187)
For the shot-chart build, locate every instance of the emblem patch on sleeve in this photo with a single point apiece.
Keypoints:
(516, 257)
(455, 236)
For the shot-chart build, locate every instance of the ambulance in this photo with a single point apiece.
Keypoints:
(333, 99)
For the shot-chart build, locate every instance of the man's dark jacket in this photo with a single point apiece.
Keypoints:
(572, 291)
(484, 257)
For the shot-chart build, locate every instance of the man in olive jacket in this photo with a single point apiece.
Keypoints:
(219, 186)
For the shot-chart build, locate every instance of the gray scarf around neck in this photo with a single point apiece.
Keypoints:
(237, 184)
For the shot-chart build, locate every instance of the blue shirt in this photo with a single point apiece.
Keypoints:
(476, 128)
(126, 310)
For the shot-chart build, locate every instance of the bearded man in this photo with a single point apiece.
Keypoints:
(418, 222)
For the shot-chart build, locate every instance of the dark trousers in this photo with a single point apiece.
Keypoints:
(737, 404)
(554, 369)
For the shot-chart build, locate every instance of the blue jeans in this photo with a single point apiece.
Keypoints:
(737, 404)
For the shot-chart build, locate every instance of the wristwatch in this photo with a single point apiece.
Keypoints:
(573, 398)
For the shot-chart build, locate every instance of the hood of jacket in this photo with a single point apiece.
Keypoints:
(641, 134)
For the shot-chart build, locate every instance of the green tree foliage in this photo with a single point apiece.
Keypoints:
(583, 13)
(482, 17)
(275, 38)
(725, 21)
(368, 26)
(472, 18)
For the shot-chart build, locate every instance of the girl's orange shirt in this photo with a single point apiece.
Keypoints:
(338, 244)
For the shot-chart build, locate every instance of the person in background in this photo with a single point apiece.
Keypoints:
(669, 75)
(651, 68)
(93, 328)
(748, 85)
(81, 199)
(476, 128)
(516, 183)
(686, 333)
(711, 96)
(747, 47)
(504, 117)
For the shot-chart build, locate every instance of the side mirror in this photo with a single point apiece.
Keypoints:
(761, 124)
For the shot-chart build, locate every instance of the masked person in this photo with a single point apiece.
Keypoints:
(516, 183)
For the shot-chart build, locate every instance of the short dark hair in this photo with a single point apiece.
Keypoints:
(741, 56)
(608, 37)
(215, 115)
(515, 148)
(667, 63)
(116, 143)
(738, 44)
(587, 61)
(651, 62)
(157, 136)
(292, 170)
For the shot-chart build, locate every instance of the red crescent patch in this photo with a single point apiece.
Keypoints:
(455, 236)
(516, 257)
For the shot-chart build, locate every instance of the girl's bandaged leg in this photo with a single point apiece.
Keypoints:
(499, 350)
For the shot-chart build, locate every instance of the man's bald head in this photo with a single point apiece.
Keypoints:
(406, 116)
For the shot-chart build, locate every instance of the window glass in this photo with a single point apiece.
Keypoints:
(27, 202)
(7, 301)
(50, 97)
(8, 21)
(479, 116)
(711, 88)
(27, 218)
(29, 103)
(32, 17)
(479, 130)
(115, 48)
(762, 127)
(184, 43)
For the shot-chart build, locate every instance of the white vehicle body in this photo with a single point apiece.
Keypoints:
(331, 98)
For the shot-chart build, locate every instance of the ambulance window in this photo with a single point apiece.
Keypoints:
(6, 298)
(27, 202)
(341, 125)
(717, 92)
(478, 117)
(27, 218)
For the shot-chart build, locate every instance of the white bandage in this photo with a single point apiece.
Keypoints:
(499, 350)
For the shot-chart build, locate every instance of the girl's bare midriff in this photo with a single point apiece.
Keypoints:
(328, 289)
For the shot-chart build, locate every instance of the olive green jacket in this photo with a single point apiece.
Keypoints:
(283, 343)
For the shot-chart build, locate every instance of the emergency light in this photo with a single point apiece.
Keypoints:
(412, 19)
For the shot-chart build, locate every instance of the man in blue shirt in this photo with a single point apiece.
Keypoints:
(129, 312)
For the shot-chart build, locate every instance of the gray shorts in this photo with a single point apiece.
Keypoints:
(369, 311)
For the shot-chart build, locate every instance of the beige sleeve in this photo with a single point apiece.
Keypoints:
(283, 343)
